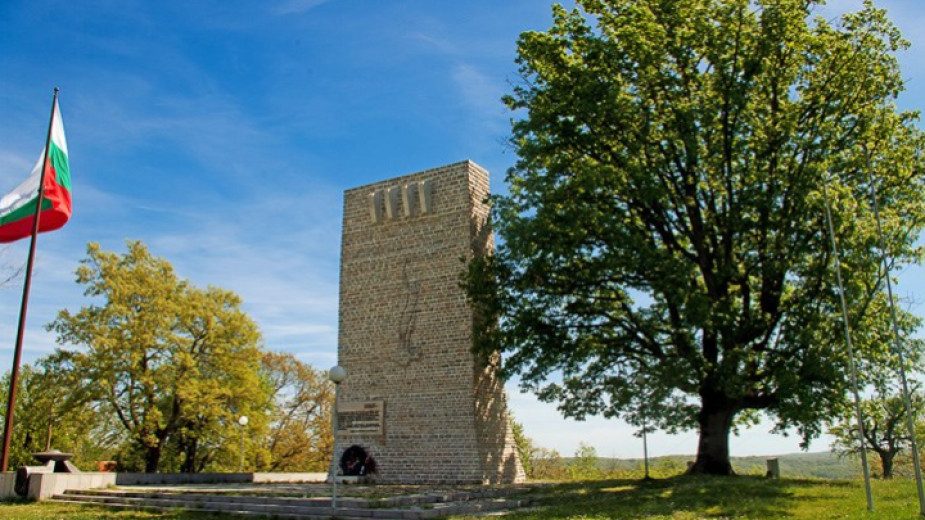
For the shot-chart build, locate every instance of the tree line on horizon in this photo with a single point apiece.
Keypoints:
(840, 462)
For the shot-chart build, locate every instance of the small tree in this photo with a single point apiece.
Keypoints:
(547, 464)
(524, 445)
(299, 437)
(886, 431)
(584, 466)
(43, 413)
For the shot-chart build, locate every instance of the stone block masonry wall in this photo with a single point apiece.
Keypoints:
(406, 330)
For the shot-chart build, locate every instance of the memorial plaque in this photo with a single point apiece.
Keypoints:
(360, 418)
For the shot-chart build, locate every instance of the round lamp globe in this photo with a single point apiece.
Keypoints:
(337, 374)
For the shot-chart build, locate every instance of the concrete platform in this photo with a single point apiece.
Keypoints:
(308, 501)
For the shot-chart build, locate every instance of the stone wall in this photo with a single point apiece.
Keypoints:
(46, 485)
(406, 331)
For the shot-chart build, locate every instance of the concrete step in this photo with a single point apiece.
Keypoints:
(202, 497)
(291, 507)
(215, 506)
(161, 509)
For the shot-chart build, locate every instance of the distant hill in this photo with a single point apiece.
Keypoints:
(794, 465)
(823, 464)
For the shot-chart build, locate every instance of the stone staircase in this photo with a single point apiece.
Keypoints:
(409, 507)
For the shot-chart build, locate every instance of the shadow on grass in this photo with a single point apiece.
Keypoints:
(701, 497)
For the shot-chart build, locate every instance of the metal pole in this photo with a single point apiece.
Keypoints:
(645, 445)
(897, 348)
(242, 421)
(336, 375)
(20, 332)
(51, 420)
(241, 463)
(851, 364)
(334, 449)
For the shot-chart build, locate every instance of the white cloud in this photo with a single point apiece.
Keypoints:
(14, 168)
(485, 119)
(298, 6)
(480, 92)
(441, 45)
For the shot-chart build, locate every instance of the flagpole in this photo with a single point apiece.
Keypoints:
(897, 345)
(17, 354)
(851, 363)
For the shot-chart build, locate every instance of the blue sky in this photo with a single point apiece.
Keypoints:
(223, 134)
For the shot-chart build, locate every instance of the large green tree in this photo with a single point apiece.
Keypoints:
(175, 364)
(665, 228)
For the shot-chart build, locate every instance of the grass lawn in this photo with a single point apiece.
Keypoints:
(696, 498)
(51, 511)
(679, 498)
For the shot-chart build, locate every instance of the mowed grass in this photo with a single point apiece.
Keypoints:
(679, 498)
(51, 511)
(717, 498)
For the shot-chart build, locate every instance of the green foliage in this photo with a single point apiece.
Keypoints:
(666, 220)
(524, 445)
(299, 436)
(42, 409)
(176, 365)
(547, 464)
(583, 466)
(165, 372)
(886, 431)
(822, 465)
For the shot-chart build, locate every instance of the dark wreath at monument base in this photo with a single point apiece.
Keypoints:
(355, 462)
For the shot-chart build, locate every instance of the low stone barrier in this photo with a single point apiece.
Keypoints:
(45, 485)
(7, 485)
(169, 479)
(294, 478)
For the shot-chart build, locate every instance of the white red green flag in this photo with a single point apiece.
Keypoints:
(17, 208)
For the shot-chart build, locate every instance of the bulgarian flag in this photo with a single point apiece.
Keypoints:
(17, 208)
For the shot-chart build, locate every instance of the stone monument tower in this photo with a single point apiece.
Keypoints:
(415, 398)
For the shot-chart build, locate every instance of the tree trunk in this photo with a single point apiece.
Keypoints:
(886, 463)
(713, 448)
(152, 453)
(152, 458)
(189, 450)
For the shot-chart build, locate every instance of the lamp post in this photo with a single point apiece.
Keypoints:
(337, 374)
(243, 422)
(640, 383)
(645, 443)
